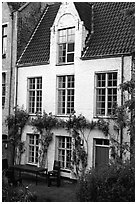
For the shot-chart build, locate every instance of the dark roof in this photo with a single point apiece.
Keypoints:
(38, 49)
(84, 11)
(112, 31)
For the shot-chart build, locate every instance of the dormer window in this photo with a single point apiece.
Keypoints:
(66, 45)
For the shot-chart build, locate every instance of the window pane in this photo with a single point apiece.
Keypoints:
(70, 81)
(62, 36)
(4, 39)
(39, 83)
(112, 79)
(106, 142)
(99, 141)
(70, 101)
(70, 57)
(39, 101)
(62, 53)
(4, 30)
(61, 102)
(112, 100)
(32, 83)
(4, 45)
(71, 35)
(100, 101)
(32, 101)
(101, 80)
(61, 82)
(70, 47)
(3, 89)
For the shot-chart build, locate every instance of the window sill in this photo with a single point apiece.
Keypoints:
(64, 116)
(65, 64)
(66, 170)
(30, 164)
(104, 117)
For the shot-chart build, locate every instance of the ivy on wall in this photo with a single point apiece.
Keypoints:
(44, 124)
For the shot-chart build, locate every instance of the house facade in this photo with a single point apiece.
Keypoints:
(9, 47)
(76, 58)
(13, 20)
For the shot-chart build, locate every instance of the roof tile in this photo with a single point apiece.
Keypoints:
(38, 49)
(112, 33)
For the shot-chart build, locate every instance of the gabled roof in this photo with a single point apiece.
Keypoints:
(38, 48)
(112, 32)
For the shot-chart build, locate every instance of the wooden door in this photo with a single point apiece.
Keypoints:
(101, 156)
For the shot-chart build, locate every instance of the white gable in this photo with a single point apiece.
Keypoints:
(67, 15)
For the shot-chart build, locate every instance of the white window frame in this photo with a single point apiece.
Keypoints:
(106, 87)
(3, 87)
(4, 39)
(36, 146)
(66, 43)
(36, 90)
(66, 89)
(65, 149)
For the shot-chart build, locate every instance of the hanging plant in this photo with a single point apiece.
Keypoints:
(103, 125)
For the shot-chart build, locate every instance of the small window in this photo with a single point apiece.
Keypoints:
(3, 89)
(64, 151)
(66, 45)
(4, 40)
(35, 95)
(102, 142)
(106, 93)
(65, 95)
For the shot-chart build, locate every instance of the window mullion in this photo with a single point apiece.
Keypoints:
(65, 151)
(35, 95)
(106, 92)
(66, 92)
(66, 52)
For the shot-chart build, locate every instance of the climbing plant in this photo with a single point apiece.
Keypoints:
(80, 128)
(44, 125)
(16, 122)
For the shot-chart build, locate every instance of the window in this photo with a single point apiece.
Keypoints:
(3, 89)
(64, 151)
(4, 40)
(33, 141)
(35, 95)
(66, 45)
(65, 88)
(106, 93)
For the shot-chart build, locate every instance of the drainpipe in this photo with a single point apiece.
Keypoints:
(16, 86)
(122, 79)
(11, 60)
